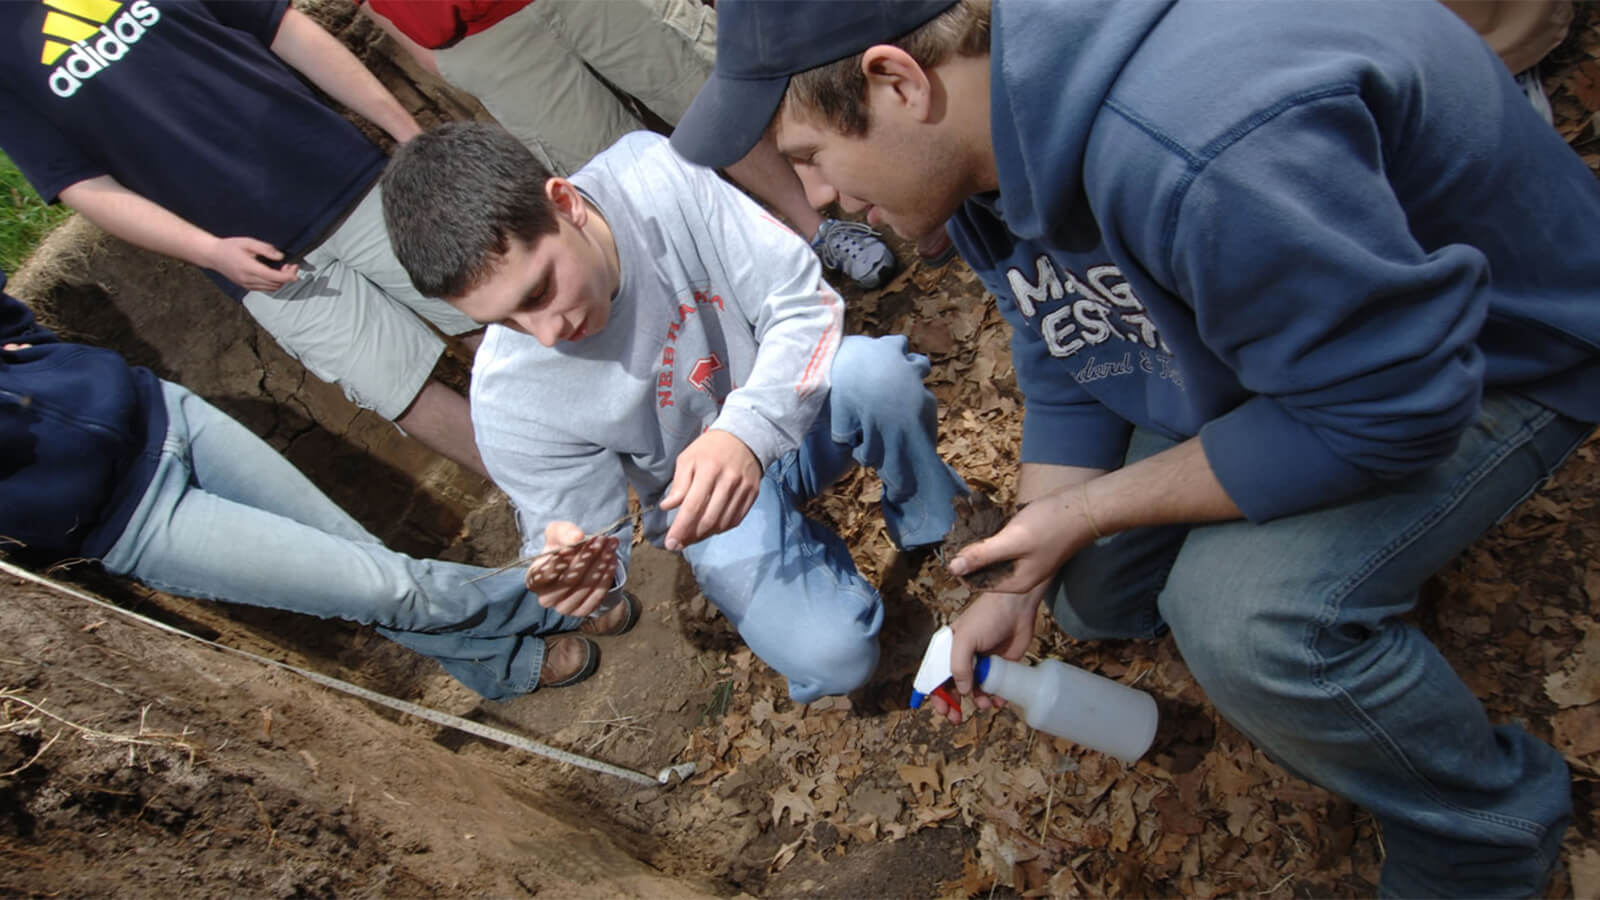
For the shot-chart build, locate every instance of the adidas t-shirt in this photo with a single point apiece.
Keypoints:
(184, 103)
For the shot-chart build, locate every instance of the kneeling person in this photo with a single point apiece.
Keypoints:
(652, 326)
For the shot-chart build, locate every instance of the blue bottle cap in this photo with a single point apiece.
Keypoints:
(980, 669)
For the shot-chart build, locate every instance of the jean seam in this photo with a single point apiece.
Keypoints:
(810, 550)
(531, 683)
(1335, 601)
(167, 587)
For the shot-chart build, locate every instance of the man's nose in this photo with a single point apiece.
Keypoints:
(545, 329)
(819, 192)
(851, 204)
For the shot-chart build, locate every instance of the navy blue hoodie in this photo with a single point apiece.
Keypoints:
(1309, 232)
(80, 434)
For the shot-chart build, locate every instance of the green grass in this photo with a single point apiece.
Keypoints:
(24, 219)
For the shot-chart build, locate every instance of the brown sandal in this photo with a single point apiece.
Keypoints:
(619, 623)
(553, 647)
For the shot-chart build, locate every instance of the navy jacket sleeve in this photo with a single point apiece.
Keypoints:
(1359, 344)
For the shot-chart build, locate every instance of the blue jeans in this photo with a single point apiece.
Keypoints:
(1293, 628)
(788, 583)
(227, 518)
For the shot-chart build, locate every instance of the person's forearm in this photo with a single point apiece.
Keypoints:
(1173, 486)
(1035, 480)
(107, 203)
(329, 65)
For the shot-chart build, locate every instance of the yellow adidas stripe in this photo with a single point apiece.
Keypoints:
(52, 52)
(94, 10)
(67, 28)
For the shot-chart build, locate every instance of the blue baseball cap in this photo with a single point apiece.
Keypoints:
(760, 43)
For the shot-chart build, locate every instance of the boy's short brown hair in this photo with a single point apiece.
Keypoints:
(454, 197)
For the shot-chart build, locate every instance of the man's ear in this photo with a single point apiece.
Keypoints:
(895, 79)
(566, 200)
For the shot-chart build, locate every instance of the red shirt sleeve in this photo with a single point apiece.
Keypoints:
(440, 23)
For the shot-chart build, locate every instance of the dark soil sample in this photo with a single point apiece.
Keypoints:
(977, 517)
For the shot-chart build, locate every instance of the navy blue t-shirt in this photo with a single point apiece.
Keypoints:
(185, 104)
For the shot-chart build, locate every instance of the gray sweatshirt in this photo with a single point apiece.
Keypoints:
(722, 320)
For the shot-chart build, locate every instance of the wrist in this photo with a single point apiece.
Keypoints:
(404, 127)
(207, 251)
(1017, 605)
(1086, 508)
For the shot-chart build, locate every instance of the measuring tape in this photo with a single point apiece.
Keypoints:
(499, 736)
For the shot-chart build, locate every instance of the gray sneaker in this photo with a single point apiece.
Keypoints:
(854, 249)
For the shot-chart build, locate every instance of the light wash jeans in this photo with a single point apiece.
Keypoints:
(1293, 628)
(227, 518)
(787, 583)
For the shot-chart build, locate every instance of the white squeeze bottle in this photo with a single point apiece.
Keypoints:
(1056, 698)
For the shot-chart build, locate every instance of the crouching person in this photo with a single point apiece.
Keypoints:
(102, 460)
(650, 325)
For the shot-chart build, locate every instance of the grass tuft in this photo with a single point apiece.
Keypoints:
(24, 218)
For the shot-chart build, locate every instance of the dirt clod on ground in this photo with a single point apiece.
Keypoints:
(977, 517)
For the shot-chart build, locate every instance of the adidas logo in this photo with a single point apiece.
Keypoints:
(91, 36)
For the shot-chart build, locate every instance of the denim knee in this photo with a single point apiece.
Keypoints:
(828, 663)
(1246, 653)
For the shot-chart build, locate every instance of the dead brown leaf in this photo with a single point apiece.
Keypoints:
(1579, 683)
(1123, 818)
(921, 778)
(1577, 731)
(795, 802)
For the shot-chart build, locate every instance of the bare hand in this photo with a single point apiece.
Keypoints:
(16, 347)
(235, 258)
(575, 572)
(1001, 624)
(1040, 538)
(716, 481)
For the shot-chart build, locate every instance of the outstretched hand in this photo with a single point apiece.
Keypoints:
(239, 259)
(715, 483)
(575, 572)
(1040, 538)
